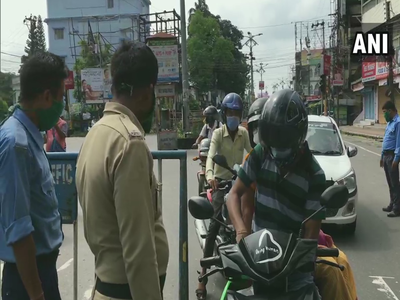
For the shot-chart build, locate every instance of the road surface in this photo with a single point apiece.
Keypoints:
(373, 251)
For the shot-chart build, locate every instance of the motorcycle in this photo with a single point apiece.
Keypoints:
(227, 233)
(201, 175)
(269, 256)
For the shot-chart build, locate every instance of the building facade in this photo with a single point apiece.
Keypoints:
(372, 85)
(68, 23)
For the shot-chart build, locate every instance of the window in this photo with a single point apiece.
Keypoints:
(323, 139)
(110, 3)
(59, 33)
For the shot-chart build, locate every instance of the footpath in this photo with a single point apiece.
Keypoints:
(372, 132)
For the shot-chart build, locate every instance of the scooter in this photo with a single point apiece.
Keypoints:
(204, 147)
(269, 256)
(226, 234)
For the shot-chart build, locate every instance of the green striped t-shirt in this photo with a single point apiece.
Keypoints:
(283, 202)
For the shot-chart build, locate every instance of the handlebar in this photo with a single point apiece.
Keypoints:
(221, 185)
(327, 252)
(210, 261)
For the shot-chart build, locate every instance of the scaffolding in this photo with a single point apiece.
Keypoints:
(166, 22)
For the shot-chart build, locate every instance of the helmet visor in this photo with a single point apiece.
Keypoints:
(278, 136)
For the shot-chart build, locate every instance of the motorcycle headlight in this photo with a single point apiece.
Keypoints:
(349, 181)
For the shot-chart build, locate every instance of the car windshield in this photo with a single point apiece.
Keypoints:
(323, 139)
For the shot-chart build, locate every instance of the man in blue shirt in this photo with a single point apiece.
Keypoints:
(391, 156)
(30, 233)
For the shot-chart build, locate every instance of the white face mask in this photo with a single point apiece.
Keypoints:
(256, 138)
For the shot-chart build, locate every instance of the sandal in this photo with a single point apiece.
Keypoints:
(201, 294)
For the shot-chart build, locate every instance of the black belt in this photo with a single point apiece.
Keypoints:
(388, 152)
(43, 259)
(113, 290)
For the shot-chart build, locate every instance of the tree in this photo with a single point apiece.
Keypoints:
(90, 59)
(40, 35)
(208, 52)
(6, 91)
(233, 77)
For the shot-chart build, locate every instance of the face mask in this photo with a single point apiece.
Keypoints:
(147, 122)
(50, 116)
(232, 123)
(281, 154)
(256, 139)
(387, 116)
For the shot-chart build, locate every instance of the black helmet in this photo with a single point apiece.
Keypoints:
(283, 124)
(211, 114)
(252, 119)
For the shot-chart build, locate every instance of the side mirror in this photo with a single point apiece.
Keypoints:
(220, 160)
(200, 208)
(335, 197)
(352, 151)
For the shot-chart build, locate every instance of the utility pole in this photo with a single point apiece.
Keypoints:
(323, 90)
(185, 72)
(251, 43)
(390, 56)
(261, 71)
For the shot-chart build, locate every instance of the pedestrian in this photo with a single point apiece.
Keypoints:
(390, 157)
(230, 140)
(31, 235)
(117, 188)
(56, 137)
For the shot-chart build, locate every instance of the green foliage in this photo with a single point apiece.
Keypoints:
(208, 51)
(6, 91)
(36, 41)
(229, 75)
(194, 104)
(3, 109)
(89, 59)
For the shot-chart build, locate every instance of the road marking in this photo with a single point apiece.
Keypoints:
(383, 286)
(365, 149)
(66, 265)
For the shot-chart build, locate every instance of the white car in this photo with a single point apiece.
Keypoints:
(327, 145)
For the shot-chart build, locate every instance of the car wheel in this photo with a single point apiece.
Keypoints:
(350, 229)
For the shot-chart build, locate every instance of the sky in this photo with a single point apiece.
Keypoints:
(273, 18)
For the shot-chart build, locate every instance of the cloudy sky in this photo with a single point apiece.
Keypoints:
(273, 18)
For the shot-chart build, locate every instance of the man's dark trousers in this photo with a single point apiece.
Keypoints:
(392, 177)
(13, 288)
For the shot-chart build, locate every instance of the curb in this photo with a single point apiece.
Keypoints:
(364, 135)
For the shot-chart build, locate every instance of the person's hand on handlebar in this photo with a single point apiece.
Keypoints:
(213, 184)
(241, 235)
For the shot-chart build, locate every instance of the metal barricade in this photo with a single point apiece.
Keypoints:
(63, 166)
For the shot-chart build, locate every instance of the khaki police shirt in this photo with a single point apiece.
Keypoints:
(117, 191)
(233, 150)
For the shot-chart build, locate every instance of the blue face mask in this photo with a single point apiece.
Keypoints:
(232, 123)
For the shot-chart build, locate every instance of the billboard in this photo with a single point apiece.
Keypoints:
(96, 85)
(166, 51)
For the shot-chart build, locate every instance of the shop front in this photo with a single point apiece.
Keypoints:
(382, 98)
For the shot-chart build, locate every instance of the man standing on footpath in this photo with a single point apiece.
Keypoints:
(390, 157)
(31, 235)
(117, 187)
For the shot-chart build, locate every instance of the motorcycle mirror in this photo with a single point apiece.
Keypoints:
(200, 208)
(220, 160)
(335, 197)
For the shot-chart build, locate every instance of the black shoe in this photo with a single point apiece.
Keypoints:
(394, 214)
(387, 209)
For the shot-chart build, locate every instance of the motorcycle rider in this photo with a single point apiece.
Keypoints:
(332, 283)
(230, 140)
(212, 121)
(289, 180)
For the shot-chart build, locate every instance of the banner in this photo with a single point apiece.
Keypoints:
(376, 68)
(96, 85)
(69, 81)
(166, 51)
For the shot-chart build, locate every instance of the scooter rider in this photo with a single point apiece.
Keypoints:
(230, 140)
(289, 179)
(252, 119)
(212, 122)
(332, 282)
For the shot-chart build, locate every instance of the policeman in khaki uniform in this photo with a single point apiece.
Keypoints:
(117, 188)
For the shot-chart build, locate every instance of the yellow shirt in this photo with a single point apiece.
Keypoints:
(121, 215)
(233, 150)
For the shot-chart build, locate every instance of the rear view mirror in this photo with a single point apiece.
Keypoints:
(352, 151)
(200, 208)
(220, 160)
(335, 197)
